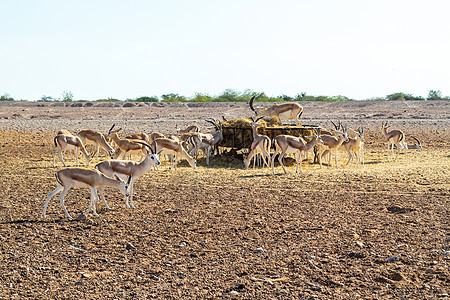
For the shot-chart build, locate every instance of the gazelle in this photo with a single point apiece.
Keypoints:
(128, 169)
(292, 144)
(89, 136)
(394, 137)
(355, 145)
(68, 141)
(205, 141)
(415, 146)
(168, 146)
(80, 177)
(124, 145)
(138, 136)
(332, 143)
(192, 128)
(261, 145)
(287, 110)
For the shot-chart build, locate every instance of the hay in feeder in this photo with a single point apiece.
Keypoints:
(238, 132)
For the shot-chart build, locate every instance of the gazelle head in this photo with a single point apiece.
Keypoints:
(361, 133)
(151, 153)
(111, 132)
(255, 121)
(218, 127)
(315, 137)
(124, 185)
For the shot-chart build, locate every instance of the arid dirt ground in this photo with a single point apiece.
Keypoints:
(378, 232)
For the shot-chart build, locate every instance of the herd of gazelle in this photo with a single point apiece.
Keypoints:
(122, 173)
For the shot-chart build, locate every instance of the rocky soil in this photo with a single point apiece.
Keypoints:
(378, 232)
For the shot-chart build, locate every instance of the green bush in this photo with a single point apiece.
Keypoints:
(6, 97)
(147, 99)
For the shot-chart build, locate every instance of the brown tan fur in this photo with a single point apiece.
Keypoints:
(67, 141)
(89, 136)
(168, 146)
(287, 110)
(80, 177)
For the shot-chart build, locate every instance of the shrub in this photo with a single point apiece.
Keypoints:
(147, 99)
(6, 97)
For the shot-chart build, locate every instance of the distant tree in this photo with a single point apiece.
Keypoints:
(173, 98)
(67, 96)
(147, 99)
(46, 98)
(435, 95)
(403, 97)
(202, 98)
(229, 95)
(6, 97)
(286, 98)
(396, 96)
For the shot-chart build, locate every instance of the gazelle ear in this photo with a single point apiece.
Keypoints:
(118, 178)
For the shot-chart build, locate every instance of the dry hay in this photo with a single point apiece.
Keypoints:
(243, 136)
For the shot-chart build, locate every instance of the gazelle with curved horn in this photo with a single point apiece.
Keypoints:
(168, 146)
(394, 137)
(89, 136)
(68, 141)
(204, 141)
(80, 177)
(291, 144)
(415, 146)
(261, 145)
(125, 145)
(332, 143)
(287, 110)
(128, 169)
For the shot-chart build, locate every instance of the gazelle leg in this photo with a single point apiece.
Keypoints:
(61, 157)
(102, 195)
(91, 203)
(349, 151)
(58, 189)
(54, 153)
(280, 159)
(94, 197)
(131, 193)
(335, 158)
(61, 200)
(76, 155)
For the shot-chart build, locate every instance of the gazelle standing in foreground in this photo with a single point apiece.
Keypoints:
(292, 144)
(261, 145)
(68, 141)
(80, 177)
(287, 110)
(394, 137)
(89, 136)
(128, 169)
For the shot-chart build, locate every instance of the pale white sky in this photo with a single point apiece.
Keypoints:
(127, 49)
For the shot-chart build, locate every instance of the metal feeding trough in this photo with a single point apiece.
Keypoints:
(242, 137)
